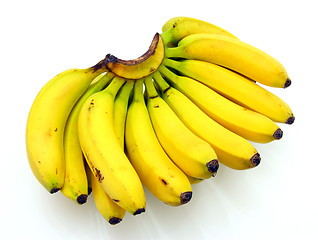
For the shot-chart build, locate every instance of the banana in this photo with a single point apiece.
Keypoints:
(111, 212)
(140, 67)
(179, 27)
(193, 180)
(231, 149)
(75, 184)
(104, 154)
(155, 169)
(246, 123)
(120, 110)
(193, 155)
(235, 87)
(46, 123)
(233, 54)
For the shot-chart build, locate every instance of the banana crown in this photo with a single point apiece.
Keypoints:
(140, 67)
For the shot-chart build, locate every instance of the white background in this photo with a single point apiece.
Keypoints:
(276, 200)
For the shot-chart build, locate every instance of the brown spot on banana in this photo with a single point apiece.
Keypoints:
(98, 175)
(164, 181)
(139, 67)
(49, 133)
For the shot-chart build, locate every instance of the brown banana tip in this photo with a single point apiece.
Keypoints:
(114, 220)
(256, 159)
(109, 58)
(290, 120)
(287, 83)
(89, 190)
(213, 165)
(139, 211)
(278, 134)
(54, 190)
(185, 197)
(81, 199)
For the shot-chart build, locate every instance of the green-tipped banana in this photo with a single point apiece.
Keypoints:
(120, 110)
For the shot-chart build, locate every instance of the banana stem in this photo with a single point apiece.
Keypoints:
(126, 90)
(163, 85)
(172, 77)
(115, 85)
(139, 91)
(103, 81)
(174, 52)
(171, 63)
(151, 90)
(167, 37)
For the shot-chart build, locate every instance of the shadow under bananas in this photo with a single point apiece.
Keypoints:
(185, 219)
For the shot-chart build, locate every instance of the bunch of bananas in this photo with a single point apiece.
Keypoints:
(162, 121)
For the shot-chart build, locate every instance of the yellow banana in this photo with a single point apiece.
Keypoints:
(140, 67)
(111, 211)
(179, 27)
(193, 180)
(76, 185)
(120, 110)
(246, 123)
(235, 87)
(155, 169)
(46, 123)
(233, 54)
(104, 154)
(231, 149)
(193, 155)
